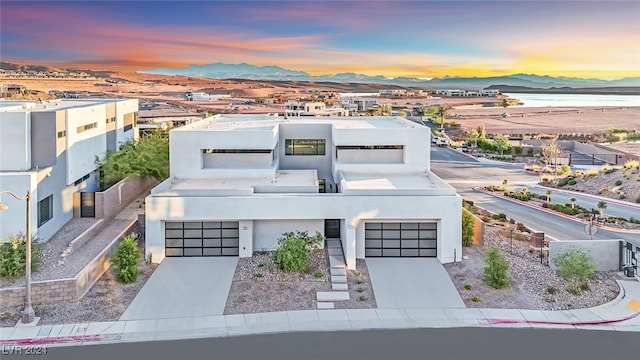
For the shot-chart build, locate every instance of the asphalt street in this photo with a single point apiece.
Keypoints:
(465, 173)
(432, 343)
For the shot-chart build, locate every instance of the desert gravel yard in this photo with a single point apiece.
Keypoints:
(532, 285)
(259, 286)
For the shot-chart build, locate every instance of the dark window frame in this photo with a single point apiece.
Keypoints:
(294, 147)
(42, 204)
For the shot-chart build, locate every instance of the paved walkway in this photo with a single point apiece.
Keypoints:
(184, 287)
(622, 314)
(410, 283)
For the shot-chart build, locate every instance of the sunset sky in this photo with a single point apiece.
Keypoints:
(422, 39)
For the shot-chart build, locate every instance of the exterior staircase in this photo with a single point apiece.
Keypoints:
(338, 269)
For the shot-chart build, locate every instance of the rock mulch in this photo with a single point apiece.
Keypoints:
(533, 285)
(276, 290)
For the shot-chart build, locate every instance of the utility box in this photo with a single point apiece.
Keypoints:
(629, 271)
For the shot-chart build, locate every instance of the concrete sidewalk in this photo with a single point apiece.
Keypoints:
(621, 314)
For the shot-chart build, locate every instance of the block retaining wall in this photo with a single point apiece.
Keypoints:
(59, 290)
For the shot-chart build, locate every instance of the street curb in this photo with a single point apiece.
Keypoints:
(524, 203)
(569, 192)
(549, 211)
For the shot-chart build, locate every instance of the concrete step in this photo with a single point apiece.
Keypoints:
(332, 295)
(339, 286)
(336, 262)
(338, 279)
(334, 251)
(334, 244)
(325, 305)
(339, 271)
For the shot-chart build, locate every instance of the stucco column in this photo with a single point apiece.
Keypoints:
(349, 244)
(246, 238)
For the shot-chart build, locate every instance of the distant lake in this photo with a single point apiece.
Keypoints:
(559, 100)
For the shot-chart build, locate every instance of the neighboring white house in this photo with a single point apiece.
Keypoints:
(202, 96)
(393, 92)
(238, 182)
(50, 149)
(489, 92)
(361, 103)
(301, 108)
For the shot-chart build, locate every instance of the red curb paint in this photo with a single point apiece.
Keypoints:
(60, 340)
(594, 322)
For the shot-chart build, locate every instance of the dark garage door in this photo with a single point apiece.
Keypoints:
(394, 239)
(213, 238)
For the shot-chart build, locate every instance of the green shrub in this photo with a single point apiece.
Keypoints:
(575, 265)
(467, 228)
(360, 290)
(258, 275)
(467, 287)
(638, 198)
(125, 260)
(495, 270)
(13, 256)
(475, 299)
(362, 298)
(618, 182)
(292, 253)
(318, 274)
(551, 290)
(522, 228)
(572, 182)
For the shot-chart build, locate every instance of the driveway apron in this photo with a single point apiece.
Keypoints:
(412, 283)
(184, 287)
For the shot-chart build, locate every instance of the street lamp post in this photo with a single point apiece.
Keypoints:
(28, 315)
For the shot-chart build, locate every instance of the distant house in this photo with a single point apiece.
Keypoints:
(201, 96)
(489, 92)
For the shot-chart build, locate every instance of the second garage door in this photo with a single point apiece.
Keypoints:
(400, 239)
(208, 238)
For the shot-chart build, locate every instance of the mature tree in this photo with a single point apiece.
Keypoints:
(548, 195)
(602, 205)
(501, 143)
(573, 202)
(550, 152)
(441, 113)
(473, 137)
(149, 156)
(505, 102)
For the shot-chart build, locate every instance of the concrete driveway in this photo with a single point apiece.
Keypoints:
(412, 283)
(184, 287)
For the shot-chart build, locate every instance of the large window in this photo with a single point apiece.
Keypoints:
(45, 210)
(86, 127)
(305, 146)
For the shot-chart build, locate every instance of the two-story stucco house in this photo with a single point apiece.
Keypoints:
(50, 149)
(239, 181)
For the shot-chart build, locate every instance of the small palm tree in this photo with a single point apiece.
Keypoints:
(602, 205)
(573, 202)
(548, 195)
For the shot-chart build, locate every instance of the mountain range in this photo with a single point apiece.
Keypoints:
(247, 71)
